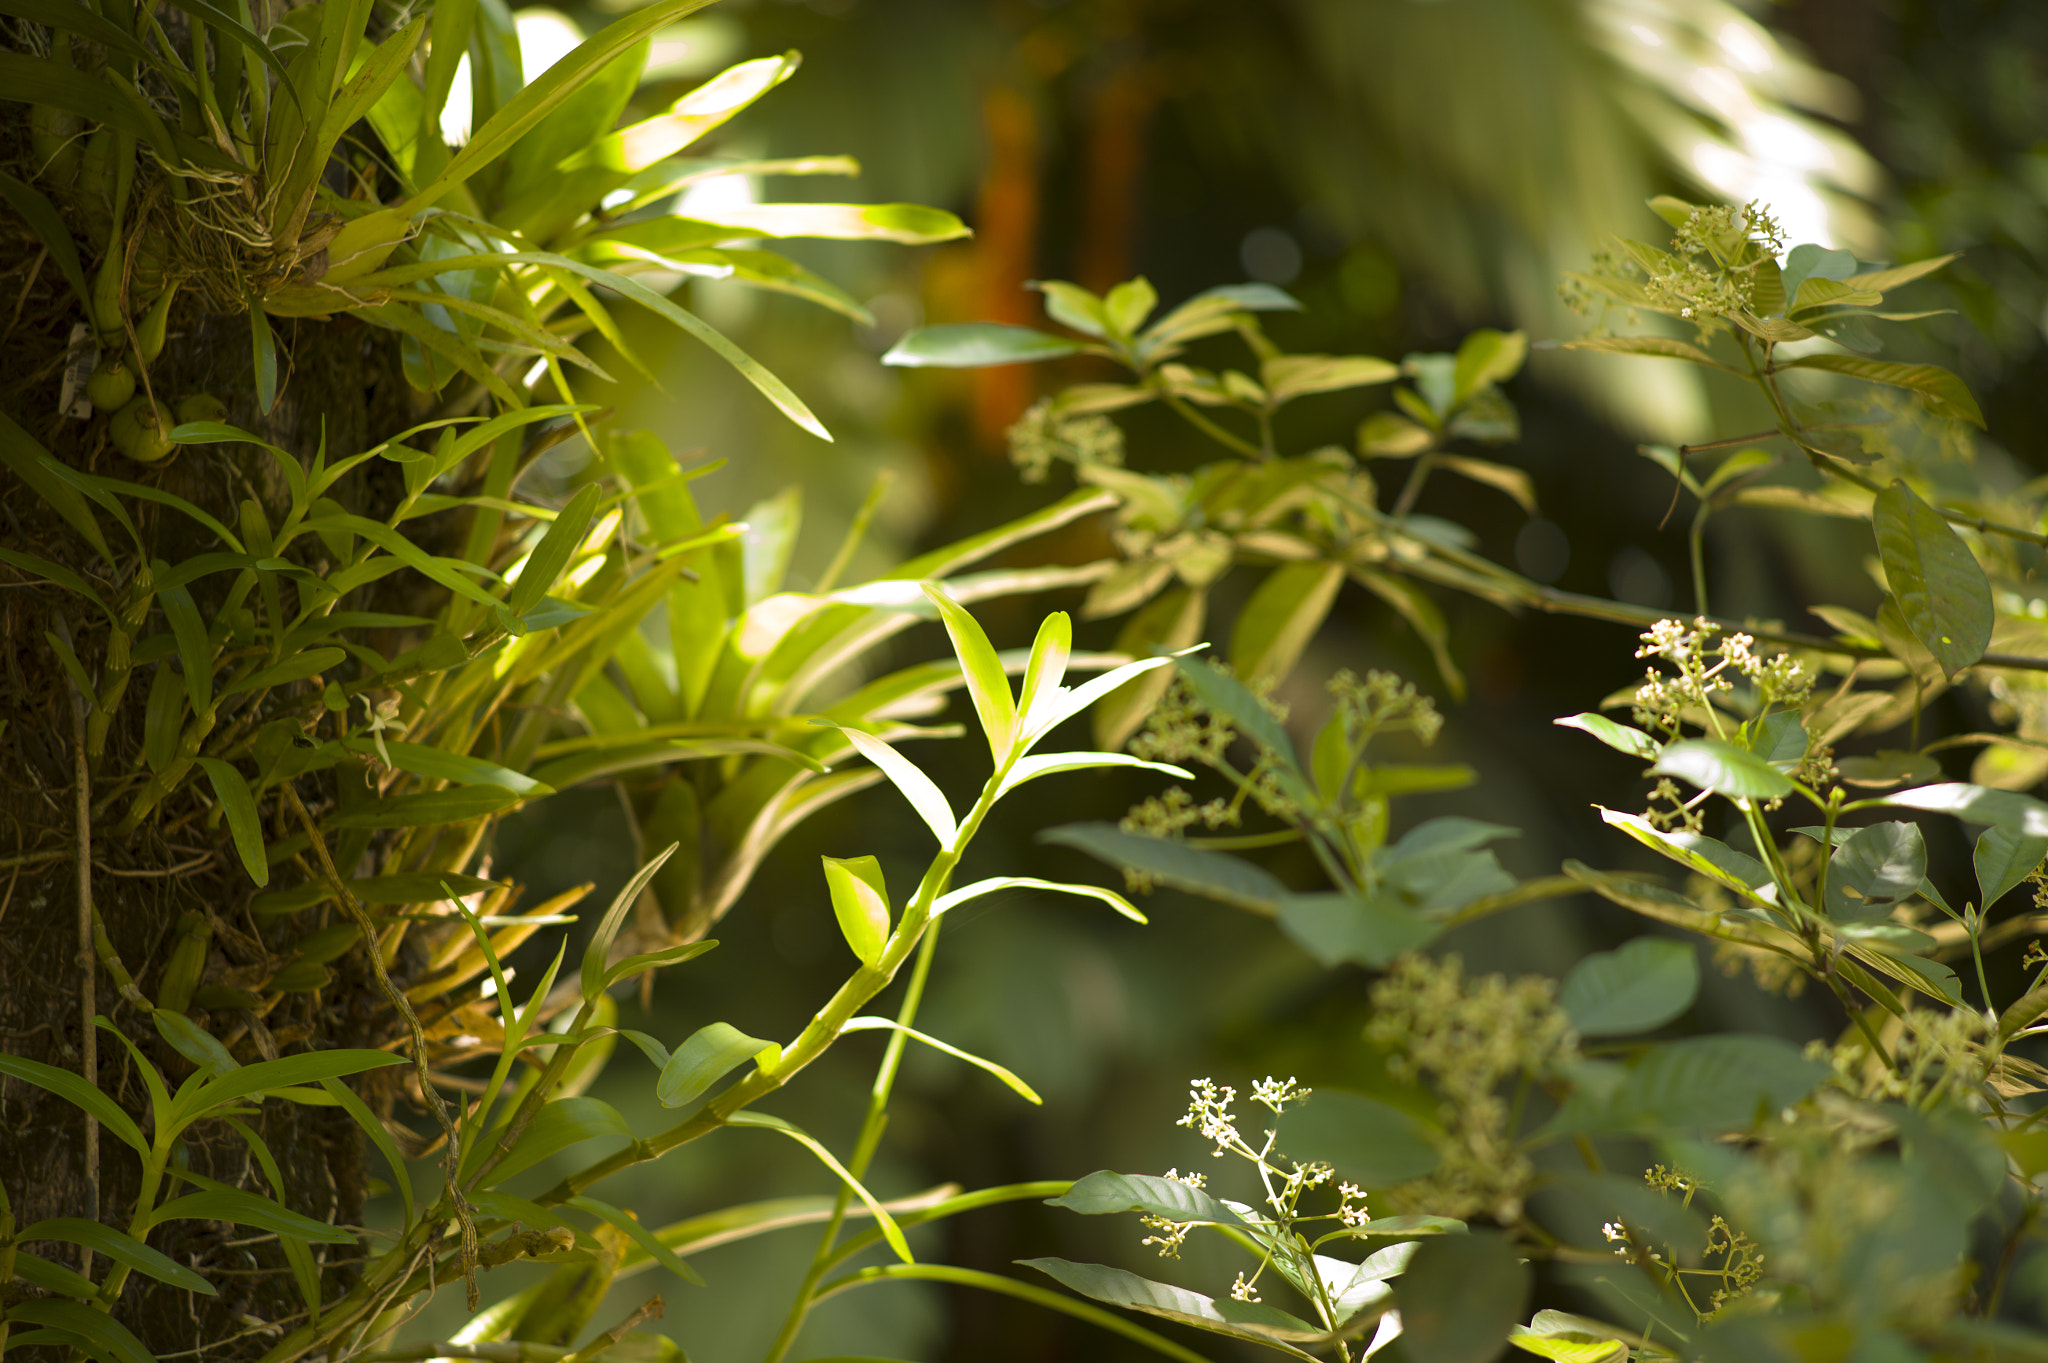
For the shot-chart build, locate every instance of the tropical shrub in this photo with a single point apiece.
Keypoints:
(1718, 1194)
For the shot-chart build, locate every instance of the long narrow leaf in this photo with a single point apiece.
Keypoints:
(1009, 1078)
(924, 796)
(955, 898)
(890, 1230)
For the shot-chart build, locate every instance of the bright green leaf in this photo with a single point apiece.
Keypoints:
(1722, 768)
(976, 345)
(860, 901)
(708, 1056)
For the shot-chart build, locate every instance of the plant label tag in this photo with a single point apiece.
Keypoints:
(83, 356)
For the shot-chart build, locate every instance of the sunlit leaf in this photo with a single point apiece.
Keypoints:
(860, 901)
(976, 345)
(1620, 737)
(1722, 768)
(708, 1055)
(924, 796)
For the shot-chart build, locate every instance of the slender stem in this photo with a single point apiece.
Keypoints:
(1975, 928)
(864, 1147)
(1207, 427)
(88, 963)
(1697, 547)
(855, 533)
(1411, 490)
(1773, 433)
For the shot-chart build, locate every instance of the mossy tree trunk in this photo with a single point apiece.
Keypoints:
(177, 869)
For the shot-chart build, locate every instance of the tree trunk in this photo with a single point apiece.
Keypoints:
(177, 871)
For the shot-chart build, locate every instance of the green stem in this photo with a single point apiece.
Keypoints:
(1201, 423)
(1411, 490)
(864, 1147)
(1697, 547)
(1976, 930)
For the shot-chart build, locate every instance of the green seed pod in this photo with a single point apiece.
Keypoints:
(93, 189)
(201, 407)
(187, 963)
(142, 431)
(109, 317)
(146, 275)
(217, 996)
(152, 330)
(112, 384)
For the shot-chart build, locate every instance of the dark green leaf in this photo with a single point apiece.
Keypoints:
(1213, 875)
(104, 1337)
(1460, 1296)
(195, 650)
(265, 1075)
(54, 1278)
(2003, 859)
(406, 887)
(1715, 1083)
(1336, 926)
(24, 455)
(1640, 985)
(356, 1108)
(1939, 585)
(1722, 768)
(31, 207)
(561, 1123)
(120, 1247)
(435, 807)
(1780, 739)
(78, 1093)
(440, 765)
(1372, 1143)
(247, 1209)
(976, 345)
(239, 805)
(1875, 869)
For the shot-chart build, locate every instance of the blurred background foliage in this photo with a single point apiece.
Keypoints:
(1409, 170)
